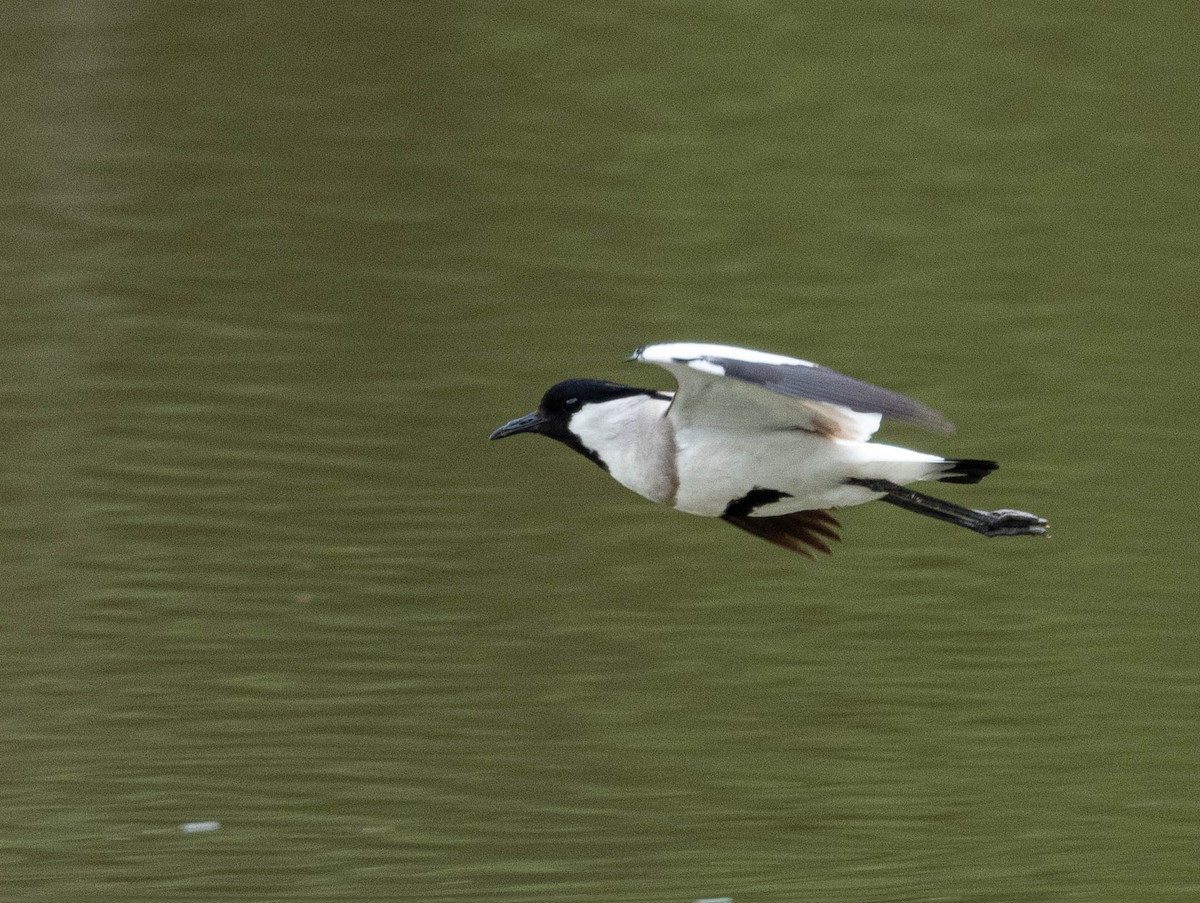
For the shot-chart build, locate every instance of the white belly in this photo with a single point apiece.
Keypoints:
(715, 468)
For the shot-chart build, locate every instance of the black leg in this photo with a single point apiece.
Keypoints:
(1003, 522)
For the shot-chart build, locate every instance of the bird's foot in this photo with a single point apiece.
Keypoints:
(1010, 522)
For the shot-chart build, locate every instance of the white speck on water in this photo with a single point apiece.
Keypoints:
(715, 900)
(199, 827)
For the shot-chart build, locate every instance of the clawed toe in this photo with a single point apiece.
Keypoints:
(1010, 522)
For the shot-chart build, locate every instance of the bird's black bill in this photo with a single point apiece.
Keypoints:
(530, 423)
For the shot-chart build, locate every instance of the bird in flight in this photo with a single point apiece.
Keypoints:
(765, 442)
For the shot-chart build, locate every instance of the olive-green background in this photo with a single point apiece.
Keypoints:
(272, 271)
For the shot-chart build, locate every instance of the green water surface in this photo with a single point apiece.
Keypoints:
(271, 274)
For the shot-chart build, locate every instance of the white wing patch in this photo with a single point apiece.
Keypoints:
(706, 367)
(687, 352)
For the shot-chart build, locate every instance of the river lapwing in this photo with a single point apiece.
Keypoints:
(765, 442)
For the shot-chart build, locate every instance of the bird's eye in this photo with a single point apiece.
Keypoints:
(571, 403)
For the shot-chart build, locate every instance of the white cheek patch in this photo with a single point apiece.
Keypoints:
(600, 425)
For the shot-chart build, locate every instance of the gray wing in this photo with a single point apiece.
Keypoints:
(818, 383)
(722, 384)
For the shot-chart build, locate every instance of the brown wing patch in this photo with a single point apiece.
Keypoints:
(825, 427)
(802, 532)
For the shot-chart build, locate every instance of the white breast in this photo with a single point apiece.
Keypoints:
(635, 441)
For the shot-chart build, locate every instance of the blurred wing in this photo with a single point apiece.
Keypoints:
(803, 532)
(738, 387)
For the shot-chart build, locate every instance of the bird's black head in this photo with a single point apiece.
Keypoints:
(563, 401)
